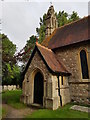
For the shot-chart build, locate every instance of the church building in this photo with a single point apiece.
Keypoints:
(58, 71)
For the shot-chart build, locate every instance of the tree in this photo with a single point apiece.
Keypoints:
(16, 75)
(10, 69)
(28, 48)
(8, 50)
(41, 31)
(11, 74)
(62, 18)
(74, 17)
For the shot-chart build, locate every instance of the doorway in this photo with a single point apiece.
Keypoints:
(38, 88)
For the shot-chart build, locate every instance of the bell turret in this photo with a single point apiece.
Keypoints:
(51, 21)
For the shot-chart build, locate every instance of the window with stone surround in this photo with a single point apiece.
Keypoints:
(84, 64)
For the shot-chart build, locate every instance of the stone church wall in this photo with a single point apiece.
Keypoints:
(50, 98)
(65, 91)
(70, 57)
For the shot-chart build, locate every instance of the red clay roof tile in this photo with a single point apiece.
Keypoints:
(51, 59)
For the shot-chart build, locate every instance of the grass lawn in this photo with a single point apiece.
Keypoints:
(13, 98)
(63, 112)
(3, 112)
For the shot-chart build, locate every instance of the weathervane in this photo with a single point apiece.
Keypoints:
(50, 3)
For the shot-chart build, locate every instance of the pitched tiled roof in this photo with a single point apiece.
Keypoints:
(72, 33)
(51, 59)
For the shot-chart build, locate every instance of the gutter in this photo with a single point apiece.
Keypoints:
(59, 91)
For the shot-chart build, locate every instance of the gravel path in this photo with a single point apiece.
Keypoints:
(15, 113)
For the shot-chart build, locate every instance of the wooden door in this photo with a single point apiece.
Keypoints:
(38, 88)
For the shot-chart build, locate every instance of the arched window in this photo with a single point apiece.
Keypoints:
(84, 64)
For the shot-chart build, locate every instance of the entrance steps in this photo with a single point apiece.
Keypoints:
(35, 105)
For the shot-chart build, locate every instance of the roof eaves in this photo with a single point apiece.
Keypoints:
(54, 48)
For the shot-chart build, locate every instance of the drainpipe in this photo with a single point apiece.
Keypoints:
(59, 91)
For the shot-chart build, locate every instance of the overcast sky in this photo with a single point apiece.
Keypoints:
(20, 19)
